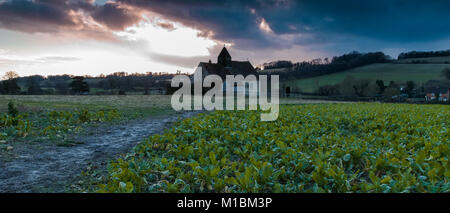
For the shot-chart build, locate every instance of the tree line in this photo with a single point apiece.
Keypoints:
(423, 54)
(351, 87)
(115, 83)
(318, 67)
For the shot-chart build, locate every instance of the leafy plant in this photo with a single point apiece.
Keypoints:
(12, 110)
(53, 124)
(360, 147)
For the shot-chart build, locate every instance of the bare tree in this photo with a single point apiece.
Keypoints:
(9, 83)
(10, 75)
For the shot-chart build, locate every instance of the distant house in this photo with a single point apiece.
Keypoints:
(226, 66)
(402, 87)
(440, 93)
(433, 83)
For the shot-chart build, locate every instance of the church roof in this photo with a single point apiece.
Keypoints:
(215, 69)
(232, 68)
(238, 68)
(224, 53)
(243, 68)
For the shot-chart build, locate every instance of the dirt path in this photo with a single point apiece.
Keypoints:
(50, 168)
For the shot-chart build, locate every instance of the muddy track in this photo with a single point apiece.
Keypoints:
(51, 168)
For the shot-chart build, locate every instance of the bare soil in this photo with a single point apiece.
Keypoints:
(50, 168)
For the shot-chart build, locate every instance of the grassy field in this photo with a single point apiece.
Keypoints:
(419, 73)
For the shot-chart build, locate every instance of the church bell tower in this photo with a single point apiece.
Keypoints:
(224, 58)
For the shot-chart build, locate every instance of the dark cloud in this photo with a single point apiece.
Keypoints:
(43, 15)
(313, 22)
(230, 21)
(291, 22)
(65, 15)
(391, 20)
(116, 16)
(167, 26)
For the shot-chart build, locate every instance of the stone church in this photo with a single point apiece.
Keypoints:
(226, 66)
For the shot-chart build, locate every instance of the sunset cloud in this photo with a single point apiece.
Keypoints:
(167, 26)
(264, 26)
(36, 16)
(116, 16)
(234, 21)
(179, 33)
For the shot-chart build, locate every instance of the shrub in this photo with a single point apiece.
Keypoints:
(12, 110)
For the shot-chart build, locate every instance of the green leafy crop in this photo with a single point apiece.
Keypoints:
(358, 147)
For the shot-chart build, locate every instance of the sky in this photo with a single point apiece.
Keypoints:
(92, 37)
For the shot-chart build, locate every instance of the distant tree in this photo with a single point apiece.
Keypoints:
(381, 87)
(361, 87)
(410, 86)
(328, 90)
(318, 67)
(10, 87)
(121, 92)
(391, 92)
(10, 75)
(370, 90)
(415, 54)
(146, 92)
(446, 73)
(277, 64)
(2, 90)
(9, 83)
(33, 87)
(316, 61)
(358, 87)
(61, 88)
(347, 86)
(393, 84)
(78, 85)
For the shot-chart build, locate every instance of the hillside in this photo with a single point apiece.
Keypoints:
(419, 73)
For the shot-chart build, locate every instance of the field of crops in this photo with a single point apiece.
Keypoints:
(94, 102)
(46, 118)
(311, 148)
(51, 126)
(50, 118)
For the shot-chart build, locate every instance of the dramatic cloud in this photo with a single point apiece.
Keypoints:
(249, 23)
(167, 26)
(116, 16)
(171, 31)
(308, 21)
(36, 16)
